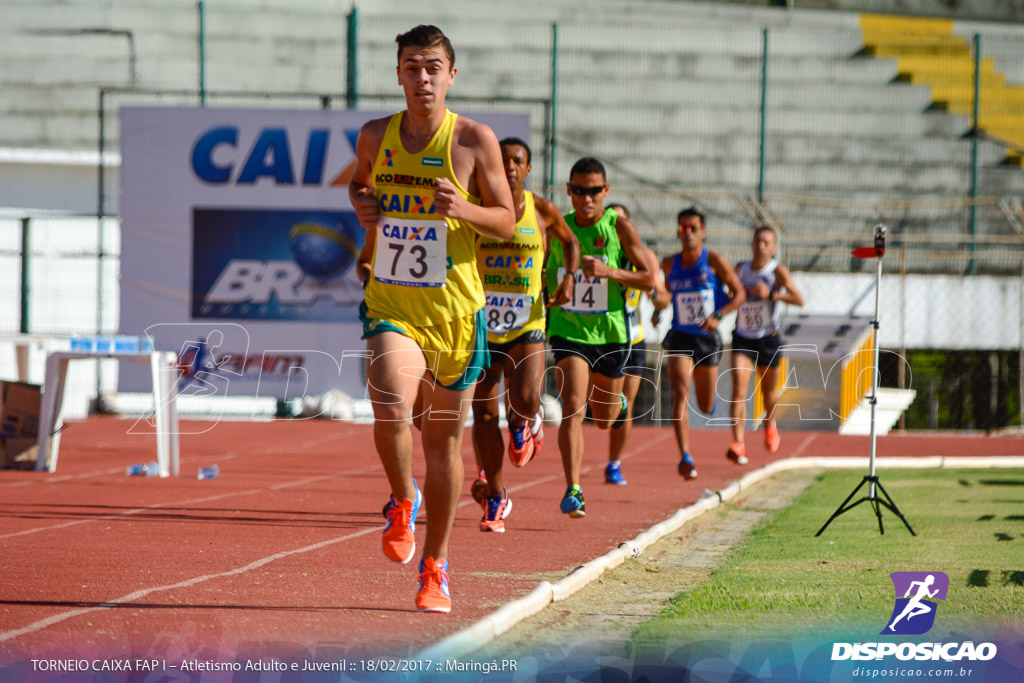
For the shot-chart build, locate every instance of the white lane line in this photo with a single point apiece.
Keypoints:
(190, 501)
(136, 595)
(52, 479)
(131, 597)
(804, 445)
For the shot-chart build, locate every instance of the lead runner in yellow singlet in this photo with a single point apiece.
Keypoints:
(511, 272)
(426, 182)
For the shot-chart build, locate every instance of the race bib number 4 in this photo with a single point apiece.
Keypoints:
(694, 307)
(588, 296)
(506, 312)
(411, 253)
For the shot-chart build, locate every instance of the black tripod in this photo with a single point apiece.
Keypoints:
(874, 485)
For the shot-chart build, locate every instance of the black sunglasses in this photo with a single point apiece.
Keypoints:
(581, 191)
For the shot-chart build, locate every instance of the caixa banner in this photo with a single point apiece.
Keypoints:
(236, 225)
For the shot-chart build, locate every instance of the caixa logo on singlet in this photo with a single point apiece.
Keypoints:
(404, 231)
(917, 594)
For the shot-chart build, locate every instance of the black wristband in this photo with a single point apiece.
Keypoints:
(717, 315)
(571, 272)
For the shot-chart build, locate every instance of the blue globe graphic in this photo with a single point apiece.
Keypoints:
(322, 252)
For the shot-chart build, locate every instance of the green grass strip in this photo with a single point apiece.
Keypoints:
(784, 581)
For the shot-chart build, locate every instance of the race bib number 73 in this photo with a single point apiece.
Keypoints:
(411, 253)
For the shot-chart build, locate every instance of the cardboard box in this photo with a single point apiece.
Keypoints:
(19, 422)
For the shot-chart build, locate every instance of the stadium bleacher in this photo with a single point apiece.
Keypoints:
(666, 93)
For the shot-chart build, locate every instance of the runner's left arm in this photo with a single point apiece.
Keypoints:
(495, 216)
(786, 291)
(659, 296)
(738, 295)
(642, 278)
(554, 226)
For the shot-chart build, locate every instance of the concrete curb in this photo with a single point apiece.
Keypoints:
(490, 627)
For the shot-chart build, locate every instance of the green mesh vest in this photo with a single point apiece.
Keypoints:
(597, 313)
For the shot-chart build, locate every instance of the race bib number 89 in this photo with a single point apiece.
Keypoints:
(506, 312)
(588, 296)
(754, 316)
(411, 253)
(694, 307)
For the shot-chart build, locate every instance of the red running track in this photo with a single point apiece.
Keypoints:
(280, 555)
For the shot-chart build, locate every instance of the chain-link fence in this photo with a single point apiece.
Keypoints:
(818, 128)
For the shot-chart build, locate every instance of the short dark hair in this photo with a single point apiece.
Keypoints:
(425, 35)
(625, 209)
(588, 165)
(692, 211)
(521, 143)
(766, 228)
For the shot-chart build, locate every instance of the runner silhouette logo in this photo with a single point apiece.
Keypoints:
(916, 595)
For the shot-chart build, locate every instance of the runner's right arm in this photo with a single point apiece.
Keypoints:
(364, 266)
(360, 189)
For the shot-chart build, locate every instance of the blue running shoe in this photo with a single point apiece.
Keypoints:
(399, 539)
(613, 474)
(714, 406)
(572, 503)
(687, 468)
(623, 413)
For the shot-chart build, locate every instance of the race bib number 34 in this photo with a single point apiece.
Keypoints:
(411, 253)
(588, 296)
(693, 307)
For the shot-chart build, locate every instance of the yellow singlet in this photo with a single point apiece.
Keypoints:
(636, 326)
(424, 265)
(511, 273)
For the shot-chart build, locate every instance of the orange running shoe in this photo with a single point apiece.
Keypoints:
(772, 440)
(521, 446)
(737, 453)
(399, 539)
(496, 509)
(538, 436)
(433, 595)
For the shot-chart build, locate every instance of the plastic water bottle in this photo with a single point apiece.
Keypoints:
(211, 472)
(146, 469)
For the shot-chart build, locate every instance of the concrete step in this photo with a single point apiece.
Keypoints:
(673, 61)
(902, 151)
(610, 118)
(622, 11)
(58, 131)
(711, 90)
